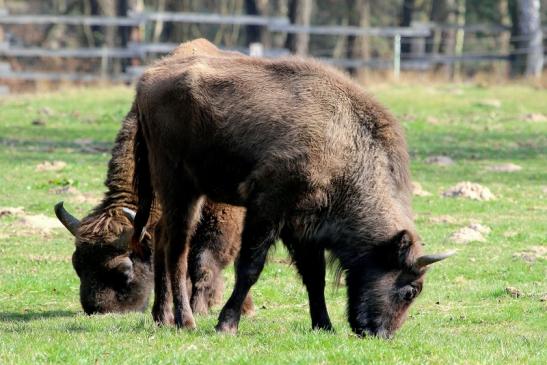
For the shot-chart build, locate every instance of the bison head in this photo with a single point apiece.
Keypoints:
(112, 279)
(383, 283)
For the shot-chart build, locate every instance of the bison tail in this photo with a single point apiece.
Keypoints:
(142, 185)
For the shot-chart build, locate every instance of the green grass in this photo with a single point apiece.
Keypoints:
(463, 316)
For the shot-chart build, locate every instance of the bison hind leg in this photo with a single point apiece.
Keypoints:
(207, 285)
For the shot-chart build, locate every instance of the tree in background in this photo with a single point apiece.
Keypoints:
(447, 18)
(300, 14)
(526, 38)
(406, 21)
(358, 47)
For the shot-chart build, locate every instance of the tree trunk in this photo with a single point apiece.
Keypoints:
(158, 26)
(254, 32)
(504, 38)
(526, 34)
(358, 47)
(448, 36)
(436, 16)
(460, 36)
(299, 14)
(178, 32)
(406, 21)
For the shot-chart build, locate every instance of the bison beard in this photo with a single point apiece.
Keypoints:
(313, 159)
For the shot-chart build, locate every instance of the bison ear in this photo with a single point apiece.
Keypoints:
(123, 265)
(403, 242)
(403, 239)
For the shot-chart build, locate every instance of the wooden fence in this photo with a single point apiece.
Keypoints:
(142, 50)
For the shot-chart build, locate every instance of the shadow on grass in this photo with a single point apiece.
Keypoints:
(491, 146)
(49, 145)
(32, 316)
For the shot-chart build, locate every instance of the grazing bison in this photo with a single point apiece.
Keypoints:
(112, 278)
(314, 160)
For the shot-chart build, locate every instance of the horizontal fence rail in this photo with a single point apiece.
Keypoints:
(140, 50)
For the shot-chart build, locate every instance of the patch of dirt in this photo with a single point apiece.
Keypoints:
(544, 189)
(491, 103)
(480, 228)
(407, 118)
(439, 160)
(504, 167)
(534, 117)
(418, 190)
(40, 222)
(87, 145)
(475, 232)
(49, 258)
(469, 190)
(5, 211)
(532, 254)
(48, 112)
(83, 141)
(432, 120)
(51, 166)
(510, 234)
(443, 219)
(514, 292)
(75, 195)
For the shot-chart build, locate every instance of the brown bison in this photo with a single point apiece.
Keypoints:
(315, 161)
(112, 278)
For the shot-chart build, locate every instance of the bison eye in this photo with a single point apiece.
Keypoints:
(408, 293)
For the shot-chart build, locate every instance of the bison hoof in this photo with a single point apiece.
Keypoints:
(164, 319)
(248, 308)
(226, 328)
(186, 322)
(199, 306)
(324, 327)
(248, 311)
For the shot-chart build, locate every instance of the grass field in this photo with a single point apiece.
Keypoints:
(465, 315)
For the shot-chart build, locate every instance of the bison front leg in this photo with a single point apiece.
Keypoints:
(258, 236)
(310, 263)
(162, 310)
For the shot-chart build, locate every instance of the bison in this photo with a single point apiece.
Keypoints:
(315, 161)
(112, 278)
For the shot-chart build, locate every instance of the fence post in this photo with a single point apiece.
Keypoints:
(4, 66)
(256, 49)
(397, 56)
(104, 63)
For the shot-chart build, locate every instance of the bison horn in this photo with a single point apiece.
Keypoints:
(69, 221)
(129, 213)
(425, 260)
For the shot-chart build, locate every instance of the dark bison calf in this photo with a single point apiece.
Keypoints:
(112, 278)
(316, 162)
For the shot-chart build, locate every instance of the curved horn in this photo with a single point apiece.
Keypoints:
(425, 260)
(129, 213)
(69, 221)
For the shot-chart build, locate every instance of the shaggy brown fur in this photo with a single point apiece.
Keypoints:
(112, 279)
(316, 162)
